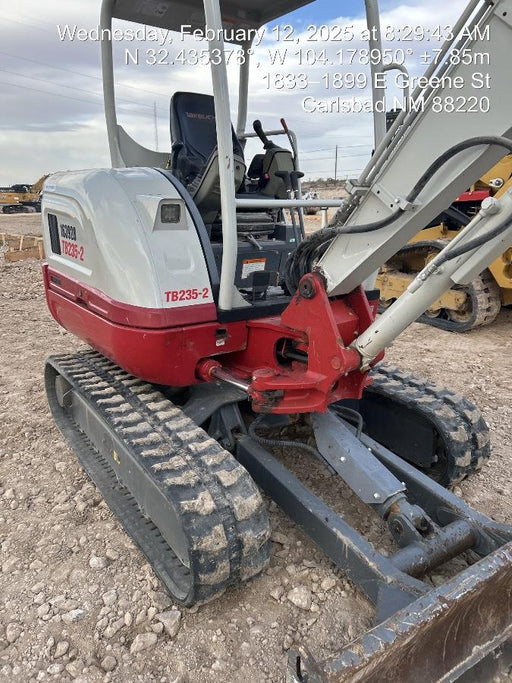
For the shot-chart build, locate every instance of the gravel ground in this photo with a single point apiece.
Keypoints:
(80, 603)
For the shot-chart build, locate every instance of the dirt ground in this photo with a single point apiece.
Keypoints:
(21, 224)
(80, 603)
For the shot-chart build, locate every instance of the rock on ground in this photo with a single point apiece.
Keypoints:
(53, 522)
(143, 641)
(171, 621)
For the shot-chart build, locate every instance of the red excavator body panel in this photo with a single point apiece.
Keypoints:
(171, 346)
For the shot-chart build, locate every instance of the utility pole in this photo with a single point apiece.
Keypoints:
(336, 164)
(156, 126)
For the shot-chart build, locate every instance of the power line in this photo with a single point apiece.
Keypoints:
(330, 133)
(329, 149)
(53, 94)
(58, 85)
(76, 99)
(145, 90)
(326, 128)
(47, 92)
(28, 23)
(341, 170)
(340, 156)
(79, 73)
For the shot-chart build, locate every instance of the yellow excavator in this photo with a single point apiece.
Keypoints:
(465, 307)
(22, 198)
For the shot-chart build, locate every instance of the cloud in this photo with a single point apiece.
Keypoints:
(52, 114)
(52, 151)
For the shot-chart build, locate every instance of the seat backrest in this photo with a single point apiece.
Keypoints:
(193, 125)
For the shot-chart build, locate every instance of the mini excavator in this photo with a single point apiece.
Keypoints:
(215, 327)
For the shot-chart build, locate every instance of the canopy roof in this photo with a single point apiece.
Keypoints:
(172, 14)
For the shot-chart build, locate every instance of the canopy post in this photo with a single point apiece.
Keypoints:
(107, 69)
(243, 90)
(225, 151)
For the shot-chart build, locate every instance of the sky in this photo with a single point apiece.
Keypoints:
(51, 112)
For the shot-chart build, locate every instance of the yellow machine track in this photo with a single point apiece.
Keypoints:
(458, 310)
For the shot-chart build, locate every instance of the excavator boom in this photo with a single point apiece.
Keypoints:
(416, 140)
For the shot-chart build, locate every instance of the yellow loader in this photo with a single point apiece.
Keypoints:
(462, 308)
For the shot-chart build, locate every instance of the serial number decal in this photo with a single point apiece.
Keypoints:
(187, 294)
(72, 249)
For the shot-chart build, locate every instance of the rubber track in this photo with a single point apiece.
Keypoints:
(457, 420)
(483, 291)
(222, 512)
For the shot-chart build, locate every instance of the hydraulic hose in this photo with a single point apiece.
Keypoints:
(264, 441)
(302, 260)
(474, 243)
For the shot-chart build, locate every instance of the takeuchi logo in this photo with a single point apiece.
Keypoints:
(205, 117)
(68, 232)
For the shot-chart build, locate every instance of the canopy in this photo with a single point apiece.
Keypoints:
(172, 14)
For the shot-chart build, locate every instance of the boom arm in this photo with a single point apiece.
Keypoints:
(482, 241)
(418, 138)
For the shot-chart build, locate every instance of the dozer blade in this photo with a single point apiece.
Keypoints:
(436, 638)
(423, 633)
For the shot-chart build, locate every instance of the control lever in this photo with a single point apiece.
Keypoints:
(291, 141)
(286, 177)
(254, 242)
(258, 129)
(295, 176)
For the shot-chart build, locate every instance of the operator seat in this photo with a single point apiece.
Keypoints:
(195, 158)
